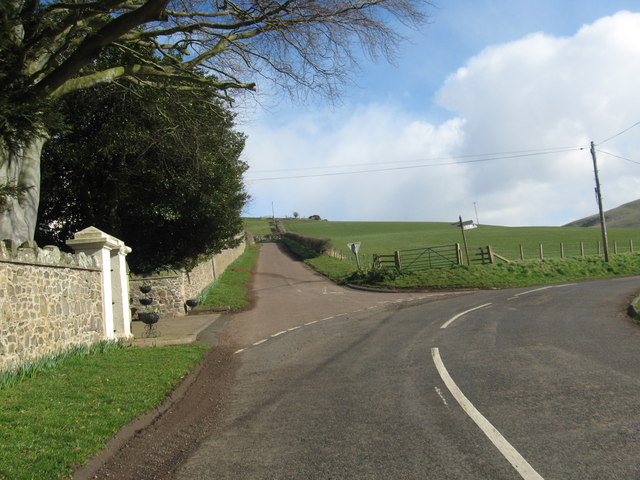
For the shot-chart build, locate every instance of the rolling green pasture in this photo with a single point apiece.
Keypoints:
(387, 237)
(258, 226)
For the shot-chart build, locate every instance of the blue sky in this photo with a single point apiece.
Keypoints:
(435, 133)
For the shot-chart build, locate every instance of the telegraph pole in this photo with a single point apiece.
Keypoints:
(603, 224)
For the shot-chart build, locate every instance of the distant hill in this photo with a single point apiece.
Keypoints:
(624, 216)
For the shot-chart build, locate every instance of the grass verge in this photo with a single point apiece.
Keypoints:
(337, 270)
(516, 274)
(231, 288)
(64, 414)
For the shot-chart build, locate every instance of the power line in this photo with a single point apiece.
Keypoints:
(409, 167)
(618, 156)
(619, 133)
(500, 155)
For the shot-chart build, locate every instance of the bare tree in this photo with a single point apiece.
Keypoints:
(50, 48)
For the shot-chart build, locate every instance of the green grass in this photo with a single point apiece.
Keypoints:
(231, 288)
(386, 237)
(24, 371)
(517, 274)
(65, 414)
(258, 226)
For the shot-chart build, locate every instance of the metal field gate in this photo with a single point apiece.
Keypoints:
(418, 259)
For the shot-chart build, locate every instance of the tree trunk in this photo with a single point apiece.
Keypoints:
(21, 167)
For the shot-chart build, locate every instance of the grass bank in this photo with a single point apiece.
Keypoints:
(517, 274)
(504, 275)
(64, 414)
(231, 288)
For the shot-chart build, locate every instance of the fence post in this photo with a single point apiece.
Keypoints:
(561, 249)
(631, 246)
(397, 259)
(615, 247)
(521, 252)
(598, 247)
(541, 252)
(490, 252)
(582, 249)
(458, 254)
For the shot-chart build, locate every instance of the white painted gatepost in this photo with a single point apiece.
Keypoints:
(110, 254)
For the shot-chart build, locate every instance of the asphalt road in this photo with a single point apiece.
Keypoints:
(528, 383)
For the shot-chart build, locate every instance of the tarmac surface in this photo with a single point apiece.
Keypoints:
(286, 294)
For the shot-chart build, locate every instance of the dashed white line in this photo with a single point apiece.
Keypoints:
(311, 323)
(518, 462)
(539, 289)
(453, 319)
(294, 328)
(532, 291)
(261, 341)
(279, 333)
(239, 351)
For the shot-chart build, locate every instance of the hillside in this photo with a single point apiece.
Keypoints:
(624, 216)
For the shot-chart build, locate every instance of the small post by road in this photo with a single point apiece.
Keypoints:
(461, 224)
(355, 247)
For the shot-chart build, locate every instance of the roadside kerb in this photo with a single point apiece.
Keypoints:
(634, 309)
(172, 330)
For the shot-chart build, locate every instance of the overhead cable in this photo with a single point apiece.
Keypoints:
(408, 167)
(618, 156)
(619, 133)
(500, 155)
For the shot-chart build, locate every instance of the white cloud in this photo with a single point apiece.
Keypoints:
(537, 92)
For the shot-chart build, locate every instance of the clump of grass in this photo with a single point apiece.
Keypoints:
(67, 413)
(231, 288)
(11, 376)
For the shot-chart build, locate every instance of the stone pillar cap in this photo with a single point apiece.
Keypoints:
(91, 238)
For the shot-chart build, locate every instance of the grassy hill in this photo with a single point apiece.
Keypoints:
(624, 216)
(386, 237)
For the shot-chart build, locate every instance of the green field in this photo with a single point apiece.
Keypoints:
(387, 237)
(258, 226)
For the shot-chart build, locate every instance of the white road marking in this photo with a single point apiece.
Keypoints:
(239, 351)
(261, 341)
(540, 289)
(532, 291)
(311, 323)
(518, 462)
(453, 319)
(278, 334)
(294, 328)
(444, 400)
(327, 292)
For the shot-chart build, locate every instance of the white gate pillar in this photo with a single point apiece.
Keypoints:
(110, 254)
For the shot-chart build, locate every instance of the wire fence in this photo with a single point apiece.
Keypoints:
(516, 252)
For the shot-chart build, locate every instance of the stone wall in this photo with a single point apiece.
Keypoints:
(170, 290)
(49, 300)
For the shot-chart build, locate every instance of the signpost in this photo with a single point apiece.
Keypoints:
(355, 247)
(466, 225)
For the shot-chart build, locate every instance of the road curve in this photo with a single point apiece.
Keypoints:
(554, 371)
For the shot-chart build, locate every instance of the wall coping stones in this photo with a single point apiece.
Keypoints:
(29, 253)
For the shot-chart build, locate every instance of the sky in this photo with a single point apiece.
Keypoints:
(487, 113)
